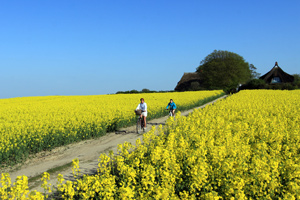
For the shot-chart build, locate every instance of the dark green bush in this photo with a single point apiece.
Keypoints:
(254, 84)
(260, 84)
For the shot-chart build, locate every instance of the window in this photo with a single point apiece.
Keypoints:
(276, 80)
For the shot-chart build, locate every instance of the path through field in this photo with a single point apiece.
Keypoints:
(58, 160)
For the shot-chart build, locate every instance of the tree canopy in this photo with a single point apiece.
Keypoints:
(224, 70)
(254, 74)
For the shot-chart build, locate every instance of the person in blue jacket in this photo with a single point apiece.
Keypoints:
(172, 107)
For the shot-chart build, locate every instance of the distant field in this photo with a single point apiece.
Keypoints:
(243, 147)
(32, 124)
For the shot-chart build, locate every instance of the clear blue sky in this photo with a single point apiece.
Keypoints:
(76, 47)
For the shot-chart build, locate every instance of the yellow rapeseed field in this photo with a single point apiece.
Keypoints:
(32, 124)
(243, 147)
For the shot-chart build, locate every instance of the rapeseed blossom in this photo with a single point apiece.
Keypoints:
(32, 124)
(243, 147)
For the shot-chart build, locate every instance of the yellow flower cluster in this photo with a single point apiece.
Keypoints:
(75, 167)
(46, 186)
(32, 124)
(243, 147)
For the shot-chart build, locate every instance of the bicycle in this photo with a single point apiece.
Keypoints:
(140, 122)
(171, 113)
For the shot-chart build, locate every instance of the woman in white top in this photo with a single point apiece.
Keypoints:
(143, 106)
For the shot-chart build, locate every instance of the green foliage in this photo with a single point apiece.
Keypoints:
(134, 91)
(260, 84)
(296, 80)
(224, 70)
(254, 74)
(254, 84)
(284, 86)
(145, 90)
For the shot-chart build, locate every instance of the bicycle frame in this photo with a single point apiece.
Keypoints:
(171, 113)
(140, 125)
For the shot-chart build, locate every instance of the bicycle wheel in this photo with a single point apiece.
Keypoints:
(171, 114)
(138, 126)
(142, 125)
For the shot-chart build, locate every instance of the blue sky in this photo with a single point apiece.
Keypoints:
(76, 47)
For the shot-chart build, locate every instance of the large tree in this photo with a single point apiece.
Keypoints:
(254, 74)
(223, 70)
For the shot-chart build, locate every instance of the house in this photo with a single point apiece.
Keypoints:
(189, 81)
(277, 75)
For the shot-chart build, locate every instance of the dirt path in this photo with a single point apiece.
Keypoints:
(58, 160)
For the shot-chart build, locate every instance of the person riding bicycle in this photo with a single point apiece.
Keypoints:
(172, 107)
(143, 106)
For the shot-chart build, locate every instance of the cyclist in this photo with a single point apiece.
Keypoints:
(172, 107)
(143, 106)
